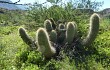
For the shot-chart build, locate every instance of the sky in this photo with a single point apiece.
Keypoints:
(105, 5)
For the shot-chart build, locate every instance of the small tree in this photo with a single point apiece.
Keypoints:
(86, 4)
(54, 2)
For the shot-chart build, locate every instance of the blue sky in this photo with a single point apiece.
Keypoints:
(105, 5)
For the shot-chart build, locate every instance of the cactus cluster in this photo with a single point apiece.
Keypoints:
(59, 34)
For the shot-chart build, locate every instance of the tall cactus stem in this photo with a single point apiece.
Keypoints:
(93, 30)
(70, 32)
(53, 23)
(25, 37)
(48, 25)
(61, 26)
(44, 44)
(53, 36)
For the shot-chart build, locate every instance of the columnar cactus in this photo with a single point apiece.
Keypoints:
(53, 23)
(44, 44)
(60, 35)
(48, 25)
(70, 32)
(53, 36)
(61, 26)
(25, 37)
(93, 30)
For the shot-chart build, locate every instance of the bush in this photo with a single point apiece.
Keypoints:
(35, 57)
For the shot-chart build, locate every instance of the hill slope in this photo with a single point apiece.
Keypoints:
(8, 6)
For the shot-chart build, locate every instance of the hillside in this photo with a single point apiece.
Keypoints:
(8, 6)
(105, 12)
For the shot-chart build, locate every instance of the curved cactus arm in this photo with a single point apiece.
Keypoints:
(25, 37)
(44, 44)
(48, 25)
(93, 30)
(71, 31)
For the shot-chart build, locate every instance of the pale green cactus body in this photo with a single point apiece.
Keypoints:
(53, 23)
(61, 36)
(53, 36)
(70, 32)
(61, 33)
(48, 25)
(93, 30)
(44, 44)
(26, 38)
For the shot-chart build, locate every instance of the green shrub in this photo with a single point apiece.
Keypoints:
(35, 57)
(30, 67)
(102, 43)
(21, 58)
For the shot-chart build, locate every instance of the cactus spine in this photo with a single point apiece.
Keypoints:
(93, 30)
(70, 32)
(44, 44)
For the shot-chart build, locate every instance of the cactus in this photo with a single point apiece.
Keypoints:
(61, 26)
(48, 25)
(44, 44)
(93, 30)
(53, 23)
(26, 38)
(61, 37)
(53, 36)
(45, 37)
(61, 33)
(70, 32)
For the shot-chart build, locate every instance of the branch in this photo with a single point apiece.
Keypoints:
(8, 2)
(19, 4)
(17, 1)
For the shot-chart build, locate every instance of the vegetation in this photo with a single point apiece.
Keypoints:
(20, 43)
